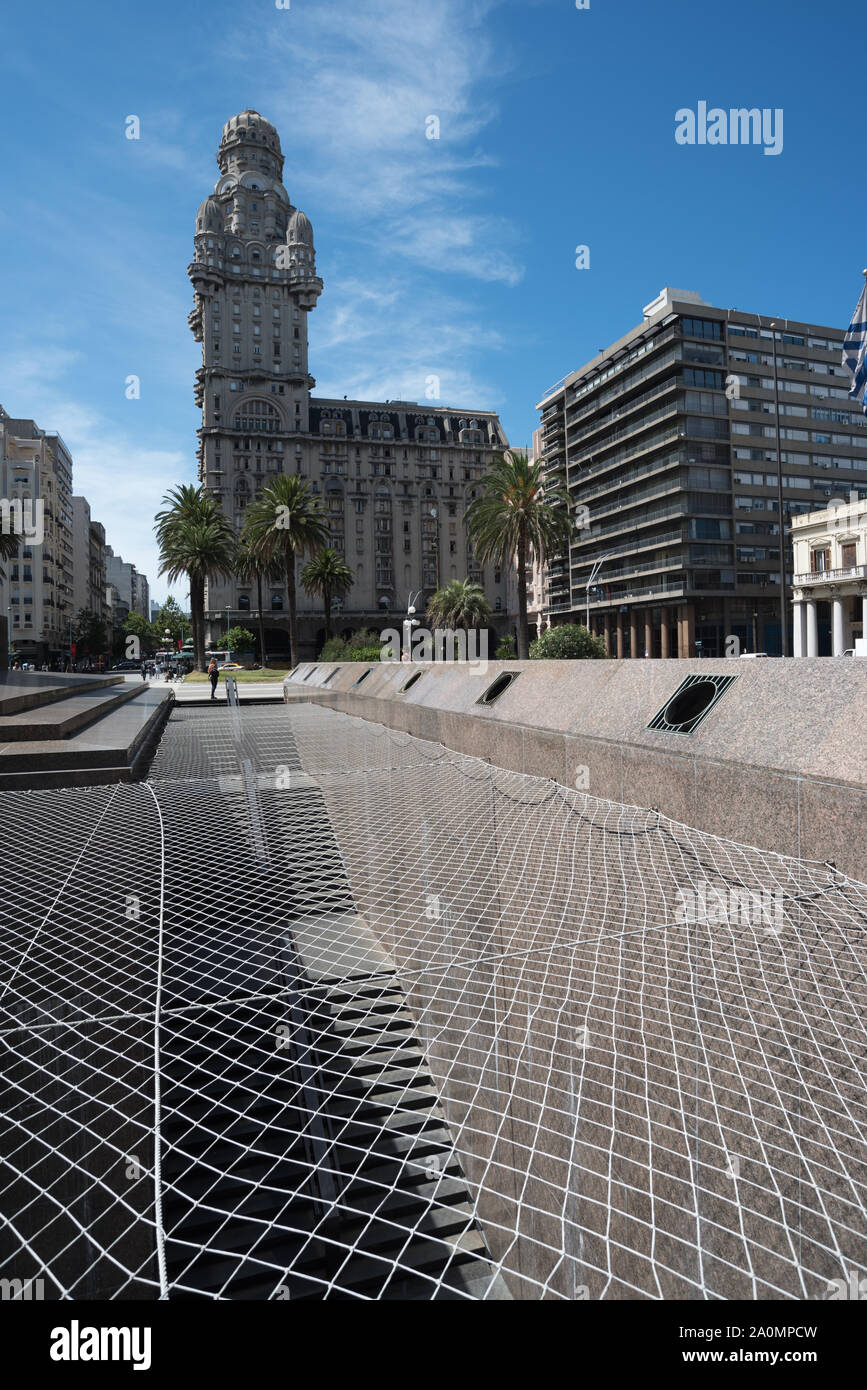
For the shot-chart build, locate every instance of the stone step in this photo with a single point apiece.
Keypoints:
(62, 718)
(23, 690)
(114, 748)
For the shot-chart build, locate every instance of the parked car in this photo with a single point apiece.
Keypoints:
(231, 666)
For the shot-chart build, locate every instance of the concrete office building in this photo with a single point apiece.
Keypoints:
(394, 477)
(37, 593)
(830, 589)
(679, 440)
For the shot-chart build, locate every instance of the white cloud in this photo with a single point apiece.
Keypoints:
(351, 87)
(387, 344)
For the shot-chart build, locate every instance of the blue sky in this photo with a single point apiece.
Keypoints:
(453, 257)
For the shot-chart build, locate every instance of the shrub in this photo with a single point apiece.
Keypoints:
(505, 650)
(569, 642)
(364, 646)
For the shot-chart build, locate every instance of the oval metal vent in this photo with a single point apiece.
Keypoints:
(331, 675)
(362, 677)
(691, 702)
(408, 685)
(498, 687)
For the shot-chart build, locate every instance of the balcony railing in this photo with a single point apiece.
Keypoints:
(832, 576)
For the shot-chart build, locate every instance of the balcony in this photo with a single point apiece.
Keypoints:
(854, 572)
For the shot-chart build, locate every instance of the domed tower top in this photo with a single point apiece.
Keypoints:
(209, 217)
(299, 229)
(245, 135)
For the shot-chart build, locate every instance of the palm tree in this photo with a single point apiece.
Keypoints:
(287, 520)
(9, 543)
(459, 603)
(517, 514)
(249, 567)
(325, 575)
(196, 540)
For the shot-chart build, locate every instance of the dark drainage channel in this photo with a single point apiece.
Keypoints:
(322, 1167)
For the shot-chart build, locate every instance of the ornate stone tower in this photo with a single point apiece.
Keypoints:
(393, 477)
(254, 277)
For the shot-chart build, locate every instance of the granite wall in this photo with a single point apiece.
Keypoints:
(780, 762)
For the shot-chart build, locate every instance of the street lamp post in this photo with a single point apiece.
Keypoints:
(594, 574)
(784, 633)
(409, 623)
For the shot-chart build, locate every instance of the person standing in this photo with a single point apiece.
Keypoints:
(213, 677)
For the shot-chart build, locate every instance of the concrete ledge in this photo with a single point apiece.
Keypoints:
(780, 761)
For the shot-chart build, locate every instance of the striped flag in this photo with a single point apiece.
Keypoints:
(855, 350)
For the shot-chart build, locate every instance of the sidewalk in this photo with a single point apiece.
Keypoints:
(248, 692)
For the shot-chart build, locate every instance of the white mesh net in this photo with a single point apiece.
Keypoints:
(323, 1010)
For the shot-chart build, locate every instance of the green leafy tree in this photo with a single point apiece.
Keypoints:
(327, 576)
(89, 633)
(516, 516)
(505, 649)
(569, 641)
(287, 520)
(239, 639)
(172, 618)
(459, 604)
(138, 626)
(195, 541)
(250, 567)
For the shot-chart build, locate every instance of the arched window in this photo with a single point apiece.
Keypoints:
(258, 415)
(276, 602)
(244, 603)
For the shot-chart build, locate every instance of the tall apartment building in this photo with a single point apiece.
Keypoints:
(394, 477)
(132, 587)
(88, 567)
(678, 445)
(37, 594)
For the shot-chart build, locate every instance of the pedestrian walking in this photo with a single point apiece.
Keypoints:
(144, 672)
(213, 677)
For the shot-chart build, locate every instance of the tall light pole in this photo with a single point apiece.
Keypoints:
(594, 572)
(409, 623)
(784, 631)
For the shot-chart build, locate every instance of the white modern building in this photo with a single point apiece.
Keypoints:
(830, 579)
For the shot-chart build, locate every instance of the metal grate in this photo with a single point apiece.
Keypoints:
(691, 702)
(498, 687)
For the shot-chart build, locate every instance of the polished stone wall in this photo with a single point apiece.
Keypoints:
(780, 762)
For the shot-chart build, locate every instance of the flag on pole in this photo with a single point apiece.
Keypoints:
(855, 350)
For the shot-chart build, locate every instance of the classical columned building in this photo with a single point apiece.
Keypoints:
(394, 477)
(830, 583)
